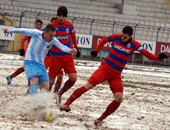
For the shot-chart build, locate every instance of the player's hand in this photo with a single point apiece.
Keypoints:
(94, 54)
(73, 50)
(162, 56)
(22, 52)
(78, 53)
(5, 30)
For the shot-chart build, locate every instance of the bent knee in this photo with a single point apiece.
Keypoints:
(118, 97)
(73, 79)
(88, 86)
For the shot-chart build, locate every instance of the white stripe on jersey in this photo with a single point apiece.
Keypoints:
(38, 47)
(140, 48)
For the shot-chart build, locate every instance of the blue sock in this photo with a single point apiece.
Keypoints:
(33, 89)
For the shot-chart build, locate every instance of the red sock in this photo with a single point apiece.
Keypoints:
(68, 84)
(76, 94)
(110, 109)
(17, 72)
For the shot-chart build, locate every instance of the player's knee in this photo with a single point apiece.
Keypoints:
(88, 86)
(51, 81)
(118, 97)
(59, 77)
(73, 79)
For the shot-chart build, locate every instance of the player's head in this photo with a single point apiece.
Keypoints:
(49, 32)
(62, 14)
(38, 24)
(52, 19)
(127, 33)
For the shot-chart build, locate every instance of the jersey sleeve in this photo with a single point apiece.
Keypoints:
(104, 41)
(144, 52)
(27, 32)
(25, 38)
(73, 37)
(59, 45)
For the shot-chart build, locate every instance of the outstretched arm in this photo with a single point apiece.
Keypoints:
(63, 47)
(28, 32)
(101, 43)
(149, 55)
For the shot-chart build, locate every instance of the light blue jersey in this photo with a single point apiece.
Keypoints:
(38, 47)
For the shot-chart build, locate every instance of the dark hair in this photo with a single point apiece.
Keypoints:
(49, 27)
(38, 21)
(52, 19)
(127, 30)
(62, 10)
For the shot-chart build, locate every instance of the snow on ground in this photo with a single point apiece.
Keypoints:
(146, 104)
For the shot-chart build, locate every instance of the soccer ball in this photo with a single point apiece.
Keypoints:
(49, 116)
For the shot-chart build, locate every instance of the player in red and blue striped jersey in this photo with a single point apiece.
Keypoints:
(65, 33)
(123, 46)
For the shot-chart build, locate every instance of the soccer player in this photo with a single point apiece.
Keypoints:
(65, 33)
(40, 44)
(123, 46)
(37, 25)
(47, 64)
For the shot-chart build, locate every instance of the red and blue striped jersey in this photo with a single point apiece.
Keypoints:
(65, 33)
(120, 52)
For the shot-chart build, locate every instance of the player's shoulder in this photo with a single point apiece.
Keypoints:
(135, 41)
(117, 35)
(68, 23)
(54, 23)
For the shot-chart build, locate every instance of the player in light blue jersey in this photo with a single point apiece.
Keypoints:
(40, 44)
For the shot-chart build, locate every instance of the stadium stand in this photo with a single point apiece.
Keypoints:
(149, 15)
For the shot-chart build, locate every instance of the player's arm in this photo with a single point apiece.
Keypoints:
(149, 55)
(101, 44)
(22, 51)
(73, 38)
(28, 32)
(74, 41)
(63, 47)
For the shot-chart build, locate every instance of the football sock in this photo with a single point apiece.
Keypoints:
(68, 84)
(17, 72)
(33, 89)
(110, 109)
(76, 94)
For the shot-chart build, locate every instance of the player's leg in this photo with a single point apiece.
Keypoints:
(33, 71)
(58, 82)
(117, 89)
(16, 73)
(33, 86)
(97, 77)
(44, 80)
(54, 69)
(70, 69)
(69, 83)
